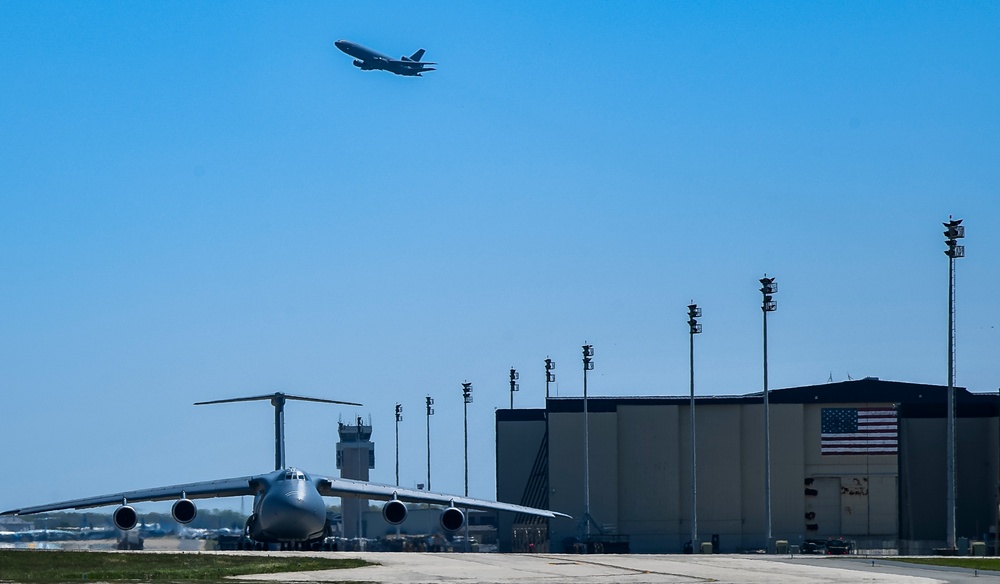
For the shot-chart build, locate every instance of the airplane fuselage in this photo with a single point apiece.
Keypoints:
(288, 509)
(361, 52)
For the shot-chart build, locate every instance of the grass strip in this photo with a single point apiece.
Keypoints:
(81, 566)
(992, 564)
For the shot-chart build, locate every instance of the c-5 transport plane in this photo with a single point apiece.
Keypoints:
(288, 505)
(368, 60)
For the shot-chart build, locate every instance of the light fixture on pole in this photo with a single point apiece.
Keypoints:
(768, 288)
(588, 365)
(430, 412)
(954, 230)
(694, 328)
(467, 399)
(549, 376)
(399, 418)
(514, 376)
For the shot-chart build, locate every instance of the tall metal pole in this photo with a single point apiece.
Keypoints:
(695, 328)
(467, 399)
(951, 535)
(767, 450)
(768, 287)
(399, 418)
(361, 502)
(588, 364)
(954, 231)
(465, 427)
(430, 412)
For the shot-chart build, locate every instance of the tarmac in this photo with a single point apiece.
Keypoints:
(420, 568)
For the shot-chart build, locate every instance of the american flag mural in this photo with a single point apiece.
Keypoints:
(858, 431)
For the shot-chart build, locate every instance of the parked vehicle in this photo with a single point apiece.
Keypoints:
(839, 546)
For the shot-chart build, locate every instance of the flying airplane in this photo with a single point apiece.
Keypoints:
(368, 60)
(288, 503)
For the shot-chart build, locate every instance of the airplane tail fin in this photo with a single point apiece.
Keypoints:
(278, 400)
(418, 55)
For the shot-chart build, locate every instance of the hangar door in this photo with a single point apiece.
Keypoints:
(822, 507)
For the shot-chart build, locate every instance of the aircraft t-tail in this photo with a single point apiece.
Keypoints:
(288, 505)
(369, 60)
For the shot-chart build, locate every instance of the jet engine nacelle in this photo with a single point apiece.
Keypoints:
(359, 63)
(394, 512)
(452, 519)
(125, 517)
(184, 511)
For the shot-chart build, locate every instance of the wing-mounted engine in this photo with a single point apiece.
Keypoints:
(184, 511)
(394, 512)
(364, 66)
(125, 517)
(452, 519)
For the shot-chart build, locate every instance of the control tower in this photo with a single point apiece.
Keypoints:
(355, 457)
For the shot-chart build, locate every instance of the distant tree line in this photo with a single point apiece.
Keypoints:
(206, 519)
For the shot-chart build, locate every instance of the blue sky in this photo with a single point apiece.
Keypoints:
(206, 200)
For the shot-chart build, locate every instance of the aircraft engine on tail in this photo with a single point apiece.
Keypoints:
(184, 511)
(125, 517)
(452, 519)
(394, 512)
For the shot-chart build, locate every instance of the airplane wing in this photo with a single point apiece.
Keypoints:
(202, 490)
(337, 487)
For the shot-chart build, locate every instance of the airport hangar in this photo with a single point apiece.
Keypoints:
(640, 469)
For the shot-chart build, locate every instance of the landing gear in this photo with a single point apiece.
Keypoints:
(247, 543)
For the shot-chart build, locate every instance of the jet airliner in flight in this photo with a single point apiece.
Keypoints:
(368, 60)
(288, 505)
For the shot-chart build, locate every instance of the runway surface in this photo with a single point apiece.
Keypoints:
(418, 568)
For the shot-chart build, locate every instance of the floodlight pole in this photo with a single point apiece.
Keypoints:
(514, 376)
(467, 399)
(430, 412)
(768, 287)
(954, 230)
(361, 539)
(588, 365)
(694, 328)
(399, 418)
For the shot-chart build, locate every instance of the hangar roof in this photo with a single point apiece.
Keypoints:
(867, 390)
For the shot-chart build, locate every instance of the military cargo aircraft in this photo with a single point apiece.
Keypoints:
(369, 60)
(288, 503)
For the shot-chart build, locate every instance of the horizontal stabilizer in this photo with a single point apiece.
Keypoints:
(278, 395)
